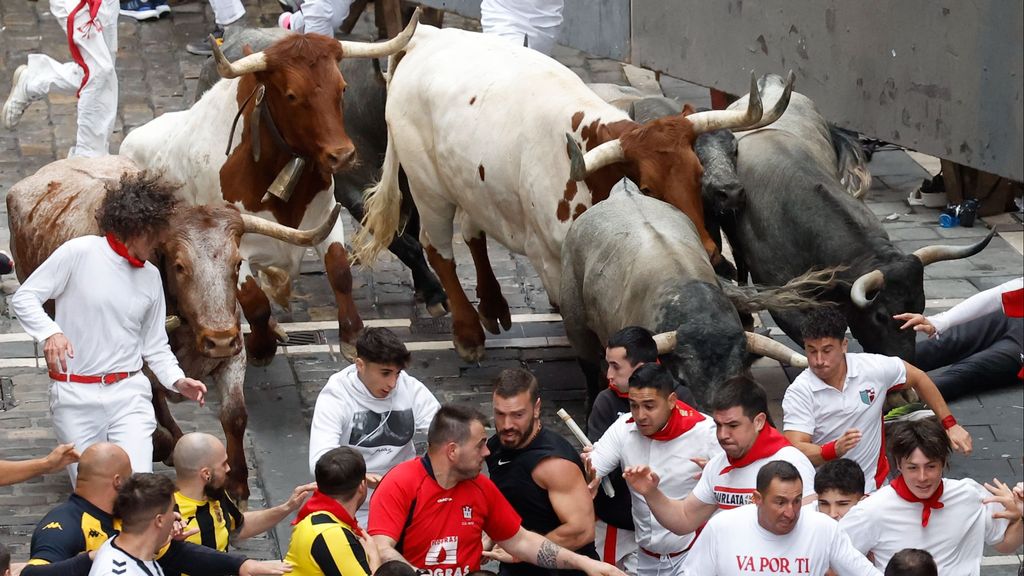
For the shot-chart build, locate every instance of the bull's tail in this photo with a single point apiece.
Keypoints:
(382, 205)
(851, 162)
(802, 292)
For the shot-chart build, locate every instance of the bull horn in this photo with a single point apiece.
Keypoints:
(866, 284)
(257, 225)
(704, 122)
(582, 165)
(256, 62)
(780, 106)
(932, 254)
(666, 342)
(172, 323)
(381, 49)
(765, 346)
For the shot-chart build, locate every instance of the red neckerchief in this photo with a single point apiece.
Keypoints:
(680, 421)
(122, 251)
(768, 442)
(617, 393)
(900, 486)
(320, 502)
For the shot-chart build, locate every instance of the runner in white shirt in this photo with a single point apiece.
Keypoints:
(740, 411)
(537, 22)
(952, 519)
(110, 317)
(145, 505)
(373, 406)
(774, 536)
(834, 408)
(671, 438)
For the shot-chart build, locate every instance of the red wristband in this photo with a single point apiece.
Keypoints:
(828, 451)
(948, 422)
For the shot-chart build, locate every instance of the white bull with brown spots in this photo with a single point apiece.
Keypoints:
(480, 127)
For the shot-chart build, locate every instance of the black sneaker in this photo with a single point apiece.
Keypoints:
(202, 47)
(139, 10)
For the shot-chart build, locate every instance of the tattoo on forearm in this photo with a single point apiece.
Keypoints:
(547, 554)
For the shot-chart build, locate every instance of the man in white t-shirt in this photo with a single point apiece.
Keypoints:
(774, 536)
(373, 406)
(834, 408)
(535, 23)
(921, 509)
(671, 438)
(145, 505)
(740, 410)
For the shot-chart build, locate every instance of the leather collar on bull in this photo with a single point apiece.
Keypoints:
(284, 184)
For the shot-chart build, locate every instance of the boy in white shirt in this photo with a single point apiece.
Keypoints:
(145, 505)
(668, 436)
(921, 509)
(373, 406)
(834, 408)
(774, 536)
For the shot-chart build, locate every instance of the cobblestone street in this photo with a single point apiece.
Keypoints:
(157, 75)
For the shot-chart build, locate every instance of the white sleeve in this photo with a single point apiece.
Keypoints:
(705, 490)
(47, 282)
(798, 409)
(155, 349)
(325, 433)
(607, 452)
(701, 560)
(980, 304)
(894, 371)
(861, 528)
(847, 560)
(424, 404)
(806, 469)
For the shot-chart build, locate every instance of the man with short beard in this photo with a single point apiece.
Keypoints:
(673, 439)
(539, 472)
(774, 536)
(201, 468)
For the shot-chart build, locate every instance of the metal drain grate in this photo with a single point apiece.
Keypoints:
(433, 326)
(306, 337)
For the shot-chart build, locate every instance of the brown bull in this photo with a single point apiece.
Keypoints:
(199, 262)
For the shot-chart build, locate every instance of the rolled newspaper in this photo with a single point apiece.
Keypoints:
(606, 484)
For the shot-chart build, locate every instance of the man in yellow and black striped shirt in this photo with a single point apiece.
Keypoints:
(327, 539)
(201, 468)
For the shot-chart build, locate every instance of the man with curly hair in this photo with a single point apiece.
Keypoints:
(109, 319)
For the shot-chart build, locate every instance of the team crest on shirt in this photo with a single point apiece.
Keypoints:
(867, 396)
(467, 512)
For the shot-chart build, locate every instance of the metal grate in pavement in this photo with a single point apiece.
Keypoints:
(431, 326)
(306, 337)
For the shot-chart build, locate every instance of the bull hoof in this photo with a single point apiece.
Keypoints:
(490, 324)
(348, 351)
(163, 446)
(437, 309)
(471, 354)
(262, 354)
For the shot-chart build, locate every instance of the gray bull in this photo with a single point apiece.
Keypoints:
(633, 260)
(798, 215)
(365, 97)
(198, 261)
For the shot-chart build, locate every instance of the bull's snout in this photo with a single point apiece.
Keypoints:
(731, 197)
(339, 158)
(220, 343)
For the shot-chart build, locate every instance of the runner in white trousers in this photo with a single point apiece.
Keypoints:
(91, 26)
(535, 21)
(110, 316)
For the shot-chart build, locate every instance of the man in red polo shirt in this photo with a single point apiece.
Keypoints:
(431, 512)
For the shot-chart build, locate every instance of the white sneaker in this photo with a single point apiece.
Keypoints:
(18, 100)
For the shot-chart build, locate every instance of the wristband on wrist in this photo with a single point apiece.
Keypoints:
(828, 451)
(948, 422)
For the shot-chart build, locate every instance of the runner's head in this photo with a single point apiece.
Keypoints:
(740, 410)
(627, 349)
(457, 441)
(652, 398)
(779, 496)
(380, 358)
(516, 403)
(839, 484)
(341, 474)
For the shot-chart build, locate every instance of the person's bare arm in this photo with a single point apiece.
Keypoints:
(570, 498)
(386, 549)
(540, 551)
(929, 393)
(259, 521)
(802, 442)
(678, 516)
(13, 472)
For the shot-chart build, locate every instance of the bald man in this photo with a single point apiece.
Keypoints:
(86, 521)
(201, 467)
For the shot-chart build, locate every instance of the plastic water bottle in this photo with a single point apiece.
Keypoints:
(948, 220)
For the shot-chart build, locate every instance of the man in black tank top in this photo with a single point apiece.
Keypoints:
(539, 472)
